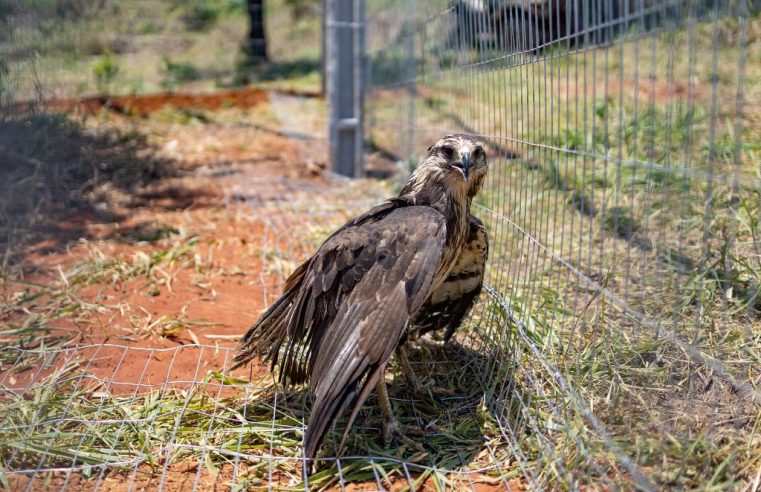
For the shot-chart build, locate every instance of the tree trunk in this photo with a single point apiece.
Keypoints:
(257, 42)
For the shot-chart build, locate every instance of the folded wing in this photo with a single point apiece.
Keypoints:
(451, 301)
(345, 310)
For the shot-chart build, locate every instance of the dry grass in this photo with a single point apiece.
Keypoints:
(220, 419)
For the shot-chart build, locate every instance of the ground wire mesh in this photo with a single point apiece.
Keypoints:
(111, 415)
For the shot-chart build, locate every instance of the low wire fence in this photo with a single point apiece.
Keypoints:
(617, 344)
(621, 333)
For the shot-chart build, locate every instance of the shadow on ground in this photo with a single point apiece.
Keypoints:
(449, 421)
(286, 70)
(56, 174)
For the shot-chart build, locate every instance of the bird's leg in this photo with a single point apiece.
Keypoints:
(391, 426)
(409, 373)
(412, 379)
(392, 429)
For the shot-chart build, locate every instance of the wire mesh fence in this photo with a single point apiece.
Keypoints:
(616, 345)
(621, 329)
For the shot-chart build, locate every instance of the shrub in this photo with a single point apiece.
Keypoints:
(105, 69)
(177, 73)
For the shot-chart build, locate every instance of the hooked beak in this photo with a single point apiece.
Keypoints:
(464, 165)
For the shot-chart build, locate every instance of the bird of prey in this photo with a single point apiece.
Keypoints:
(410, 265)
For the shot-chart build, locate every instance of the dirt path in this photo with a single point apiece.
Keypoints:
(216, 286)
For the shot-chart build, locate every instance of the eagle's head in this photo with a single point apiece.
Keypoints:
(455, 163)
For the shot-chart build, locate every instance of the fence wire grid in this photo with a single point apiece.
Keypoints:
(622, 318)
(617, 343)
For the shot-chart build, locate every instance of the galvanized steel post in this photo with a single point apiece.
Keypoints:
(345, 25)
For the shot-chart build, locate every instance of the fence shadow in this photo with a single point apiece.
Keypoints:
(449, 420)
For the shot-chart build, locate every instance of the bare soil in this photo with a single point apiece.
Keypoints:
(223, 305)
(145, 105)
(218, 304)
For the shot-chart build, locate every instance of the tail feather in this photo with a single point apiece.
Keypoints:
(326, 410)
(269, 332)
(264, 336)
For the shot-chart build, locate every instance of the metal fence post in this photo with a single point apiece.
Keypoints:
(411, 73)
(345, 24)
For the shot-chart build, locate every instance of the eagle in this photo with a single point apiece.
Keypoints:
(408, 266)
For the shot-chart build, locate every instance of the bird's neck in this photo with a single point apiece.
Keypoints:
(458, 209)
(453, 206)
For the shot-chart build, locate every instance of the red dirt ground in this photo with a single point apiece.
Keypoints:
(144, 105)
(183, 476)
(225, 305)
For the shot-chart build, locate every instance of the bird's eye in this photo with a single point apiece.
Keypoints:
(478, 153)
(448, 152)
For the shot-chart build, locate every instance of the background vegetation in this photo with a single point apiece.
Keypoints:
(80, 47)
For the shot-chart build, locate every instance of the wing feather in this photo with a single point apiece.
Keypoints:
(347, 307)
(354, 347)
(451, 301)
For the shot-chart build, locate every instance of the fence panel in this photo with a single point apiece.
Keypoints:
(621, 331)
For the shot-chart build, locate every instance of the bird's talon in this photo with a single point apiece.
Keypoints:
(394, 433)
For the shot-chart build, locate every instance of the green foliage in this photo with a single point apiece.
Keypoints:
(105, 70)
(67, 37)
(5, 89)
(555, 177)
(198, 15)
(301, 8)
(175, 73)
(47, 9)
(619, 221)
(6, 11)
(389, 66)
(436, 102)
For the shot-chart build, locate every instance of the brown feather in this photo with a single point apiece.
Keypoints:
(350, 344)
(449, 304)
